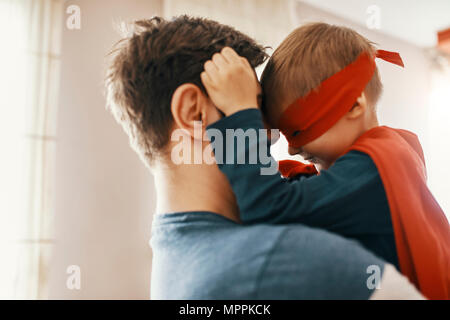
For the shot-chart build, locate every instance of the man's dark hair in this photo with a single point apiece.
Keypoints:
(153, 61)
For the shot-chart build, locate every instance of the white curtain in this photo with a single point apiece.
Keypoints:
(29, 69)
(439, 120)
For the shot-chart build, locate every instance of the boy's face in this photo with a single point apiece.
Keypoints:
(324, 150)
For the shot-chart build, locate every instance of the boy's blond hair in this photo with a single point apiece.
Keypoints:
(309, 55)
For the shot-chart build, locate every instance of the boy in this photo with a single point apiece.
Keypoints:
(321, 87)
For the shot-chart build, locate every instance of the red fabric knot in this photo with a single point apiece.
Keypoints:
(292, 168)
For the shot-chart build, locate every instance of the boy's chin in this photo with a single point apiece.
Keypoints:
(320, 165)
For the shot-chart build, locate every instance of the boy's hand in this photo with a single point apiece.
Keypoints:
(230, 82)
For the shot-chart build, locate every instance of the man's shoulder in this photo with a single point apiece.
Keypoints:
(294, 262)
(322, 264)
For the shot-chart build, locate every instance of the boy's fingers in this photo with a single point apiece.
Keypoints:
(210, 66)
(211, 69)
(230, 54)
(245, 61)
(206, 80)
(219, 60)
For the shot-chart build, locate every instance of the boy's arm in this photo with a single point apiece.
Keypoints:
(269, 198)
(260, 197)
(331, 200)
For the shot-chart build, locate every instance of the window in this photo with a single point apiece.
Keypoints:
(29, 64)
(439, 120)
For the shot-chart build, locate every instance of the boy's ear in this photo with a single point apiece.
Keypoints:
(189, 105)
(359, 108)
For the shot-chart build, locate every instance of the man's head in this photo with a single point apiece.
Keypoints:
(153, 82)
(308, 56)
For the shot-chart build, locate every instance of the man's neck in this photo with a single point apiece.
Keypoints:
(194, 187)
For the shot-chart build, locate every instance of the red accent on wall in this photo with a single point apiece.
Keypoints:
(444, 40)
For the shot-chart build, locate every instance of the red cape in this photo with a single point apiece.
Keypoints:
(292, 168)
(422, 232)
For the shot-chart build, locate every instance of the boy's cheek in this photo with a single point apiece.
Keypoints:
(319, 152)
(321, 165)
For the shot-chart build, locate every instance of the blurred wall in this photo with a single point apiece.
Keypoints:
(104, 194)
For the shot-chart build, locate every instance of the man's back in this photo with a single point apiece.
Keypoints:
(201, 255)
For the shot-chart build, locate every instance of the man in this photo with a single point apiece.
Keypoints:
(200, 248)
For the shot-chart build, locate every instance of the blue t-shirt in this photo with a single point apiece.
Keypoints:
(202, 255)
(348, 198)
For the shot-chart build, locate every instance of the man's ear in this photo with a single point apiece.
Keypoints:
(359, 108)
(188, 105)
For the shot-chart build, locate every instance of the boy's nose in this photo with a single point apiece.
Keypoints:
(293, 151)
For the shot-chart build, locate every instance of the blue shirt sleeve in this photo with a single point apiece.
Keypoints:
(336, 200)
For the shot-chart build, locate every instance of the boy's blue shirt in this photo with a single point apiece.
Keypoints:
(348, 198)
